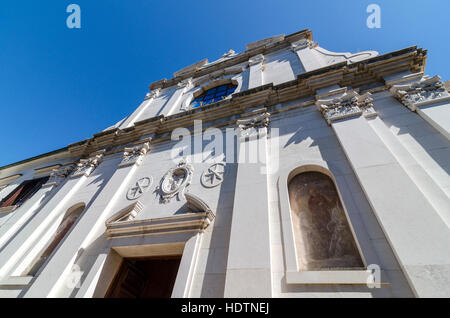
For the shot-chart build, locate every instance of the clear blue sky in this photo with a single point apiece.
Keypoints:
(59, 85)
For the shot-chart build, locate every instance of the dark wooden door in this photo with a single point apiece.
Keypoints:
(151, 278)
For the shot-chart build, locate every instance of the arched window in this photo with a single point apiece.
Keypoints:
(213, 95)
(68, 220)
(323, 237)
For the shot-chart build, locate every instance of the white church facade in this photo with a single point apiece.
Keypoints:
(285, 170)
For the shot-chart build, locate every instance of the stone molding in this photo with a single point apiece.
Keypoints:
(183, 223)
(420, 93)
(250, 127)
(125, 215)
(8, 209)
(301, 44)
(86, 166)
(10, 178)
(58, 175)
(350, 104)
(256, 60)
(134, 155)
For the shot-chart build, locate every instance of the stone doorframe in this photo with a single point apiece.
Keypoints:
(178, 235)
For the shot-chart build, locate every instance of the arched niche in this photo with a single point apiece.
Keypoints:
(322, 235)
(70, 217)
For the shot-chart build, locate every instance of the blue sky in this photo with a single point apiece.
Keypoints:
(59, 85)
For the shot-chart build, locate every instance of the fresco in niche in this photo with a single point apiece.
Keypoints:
(322, 234)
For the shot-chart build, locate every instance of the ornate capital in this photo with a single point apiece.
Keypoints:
(250, 127)
(153, 94)
(58, 175)
(256, 60)
(350, 104)
(185, 83)
(301, 44)
(86, 166)
(134, 155)
(420, 93)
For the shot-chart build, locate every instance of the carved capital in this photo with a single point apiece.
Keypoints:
(58, 175)
(153, 94)
(86, 166)
(251, 127)
(134, 155)
(420, 93)
(350, 104)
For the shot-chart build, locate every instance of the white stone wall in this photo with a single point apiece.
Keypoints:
(244, 252)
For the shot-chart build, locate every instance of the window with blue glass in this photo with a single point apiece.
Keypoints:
(213, 95)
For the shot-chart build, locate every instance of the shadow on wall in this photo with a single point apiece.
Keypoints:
(425, 143)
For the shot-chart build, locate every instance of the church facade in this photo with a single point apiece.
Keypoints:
(285, 170)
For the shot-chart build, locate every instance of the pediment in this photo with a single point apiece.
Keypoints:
(197, 219)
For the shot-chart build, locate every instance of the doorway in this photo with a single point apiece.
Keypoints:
(145, 278)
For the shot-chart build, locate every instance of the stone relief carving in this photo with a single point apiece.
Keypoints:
(175, 181)
(134, 155)
(213, 175)
(322, 234)
(250, 127)
(420, 93)
(58, 175)
(348, 105)
(86, 166)
(139, 188)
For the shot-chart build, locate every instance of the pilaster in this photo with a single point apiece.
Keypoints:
(248, 269)
(415, 231)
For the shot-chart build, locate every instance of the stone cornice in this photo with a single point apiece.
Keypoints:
(359, 76)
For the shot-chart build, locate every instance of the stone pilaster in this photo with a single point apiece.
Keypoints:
(249, 249)
(414, 229)
(54, 275)
(429, 98)
(255, 65)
